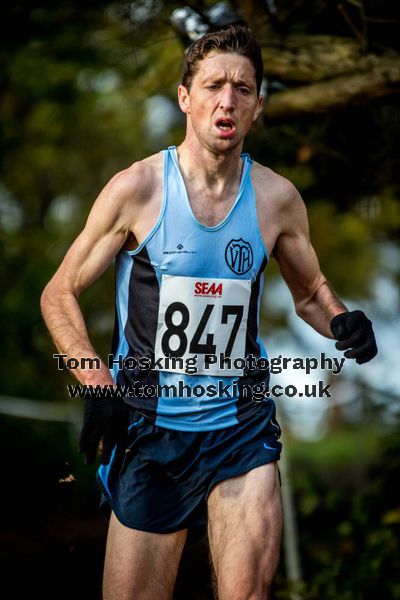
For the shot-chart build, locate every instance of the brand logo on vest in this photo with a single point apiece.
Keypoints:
(239, 256)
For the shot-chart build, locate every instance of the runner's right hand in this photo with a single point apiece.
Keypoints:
(106, 419)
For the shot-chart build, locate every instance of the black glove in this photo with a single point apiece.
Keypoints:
(105, 418)
(354, 330)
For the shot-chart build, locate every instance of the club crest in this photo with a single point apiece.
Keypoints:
(239, 256)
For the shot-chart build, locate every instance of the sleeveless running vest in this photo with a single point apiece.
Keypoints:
(186, 340)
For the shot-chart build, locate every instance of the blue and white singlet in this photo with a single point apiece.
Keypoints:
(186, 298)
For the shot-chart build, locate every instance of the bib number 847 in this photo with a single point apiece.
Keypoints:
(195, 345)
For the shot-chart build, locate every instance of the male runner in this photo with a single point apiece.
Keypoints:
(192, 229)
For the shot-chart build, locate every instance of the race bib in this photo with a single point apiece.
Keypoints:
(202, 318)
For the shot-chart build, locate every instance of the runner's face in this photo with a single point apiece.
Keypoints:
(222, 102)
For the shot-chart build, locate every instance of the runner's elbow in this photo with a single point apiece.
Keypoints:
(52, 295)
(47, 298)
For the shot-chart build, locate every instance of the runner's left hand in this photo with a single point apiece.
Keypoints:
(354, 333)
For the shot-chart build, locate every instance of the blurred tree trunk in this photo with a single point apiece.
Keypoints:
(382, 79)
(333, 72)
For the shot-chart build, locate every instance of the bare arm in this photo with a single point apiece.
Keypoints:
(106, 230)
(314, 300)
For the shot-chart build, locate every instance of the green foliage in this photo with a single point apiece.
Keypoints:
(74, 112)
(76, 80)
(348, 514)
(336, 237)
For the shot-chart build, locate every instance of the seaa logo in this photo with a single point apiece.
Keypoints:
(203, 288)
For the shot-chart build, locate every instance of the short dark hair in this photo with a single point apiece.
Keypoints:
(234, 38)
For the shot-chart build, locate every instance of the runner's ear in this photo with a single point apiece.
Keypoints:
(183, 99)
(259, 108)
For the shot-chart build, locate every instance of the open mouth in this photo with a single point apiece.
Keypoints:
(225, 125)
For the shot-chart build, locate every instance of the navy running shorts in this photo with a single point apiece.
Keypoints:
(161, 480)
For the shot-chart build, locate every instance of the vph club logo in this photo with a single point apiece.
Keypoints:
(239, 256)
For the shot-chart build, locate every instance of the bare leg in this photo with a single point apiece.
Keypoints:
(140, 565)
(245, 530)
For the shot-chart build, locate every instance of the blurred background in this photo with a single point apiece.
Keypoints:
(88, 88)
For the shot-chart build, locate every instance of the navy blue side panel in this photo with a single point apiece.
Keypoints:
(252, 346)
(115, 336)
(141, 327)
(245, 403)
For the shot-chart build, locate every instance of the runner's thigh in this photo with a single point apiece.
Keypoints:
(245, 528)
(140, 565)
